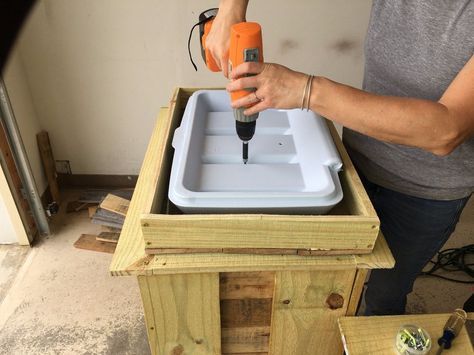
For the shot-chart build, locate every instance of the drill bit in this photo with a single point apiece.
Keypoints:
(245, 151)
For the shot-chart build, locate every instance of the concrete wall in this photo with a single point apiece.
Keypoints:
(99, 70)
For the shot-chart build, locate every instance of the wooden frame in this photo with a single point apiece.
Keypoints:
(352, 228)
(213, 303)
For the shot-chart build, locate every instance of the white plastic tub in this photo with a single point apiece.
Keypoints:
(292, 166)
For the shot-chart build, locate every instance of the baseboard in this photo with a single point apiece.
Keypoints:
(96, 181)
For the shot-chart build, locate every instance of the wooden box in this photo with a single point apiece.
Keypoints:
(351, 228)
(228, 303)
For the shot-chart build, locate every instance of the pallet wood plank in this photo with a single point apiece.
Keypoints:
(89, 242)
(301, 320)
(241, 285)
(358, 333)
(92, 210)
(245, 340)
(182, 313)
(49, 164)
(108, 237)
(115, 204)
(253, 312)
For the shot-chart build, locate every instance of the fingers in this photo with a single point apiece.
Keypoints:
(261, 106)
(247, 68)
(243, 83)
(254, 101)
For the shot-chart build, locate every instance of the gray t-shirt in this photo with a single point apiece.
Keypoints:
(415, 48)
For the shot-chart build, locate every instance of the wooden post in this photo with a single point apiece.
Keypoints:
(182, 313)
(306, 305)
(49, 164)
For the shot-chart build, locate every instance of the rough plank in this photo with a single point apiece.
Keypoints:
(182, 313)
(246, 312)
(108, 237)
(108, 218)
(302, 318)
(89, 242)
(92, 210)
(245, 340)
(260, 231)
(358, 333)
(49, 164)
(241, 285)
(115, 204)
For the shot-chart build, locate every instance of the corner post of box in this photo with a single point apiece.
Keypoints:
(189, 303)
(306, 305)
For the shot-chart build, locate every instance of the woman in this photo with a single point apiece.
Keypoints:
(409, 131)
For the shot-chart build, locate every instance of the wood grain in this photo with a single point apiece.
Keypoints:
(246, 312)
(245, 340)
(182, 313)
(242, 285)
(244, 231)
(89, 242)
(108, 237)
(115, 204)
(376, 335)
(302, 321)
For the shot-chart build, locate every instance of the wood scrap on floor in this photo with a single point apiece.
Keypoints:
(76, 206)
(96, 196)
(108, 237)
(92, 210)
(107, 218)
(115, 204)
(108, 209)
(89, 242)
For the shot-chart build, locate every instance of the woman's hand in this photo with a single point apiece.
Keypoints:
(217, 41)
(277, 86)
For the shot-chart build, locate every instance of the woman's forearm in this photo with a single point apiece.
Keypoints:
(236, 7)
(421, 123)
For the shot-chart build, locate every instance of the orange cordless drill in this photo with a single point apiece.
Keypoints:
(245, 46)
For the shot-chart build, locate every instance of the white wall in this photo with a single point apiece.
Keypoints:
(99, 70)
(11, 226)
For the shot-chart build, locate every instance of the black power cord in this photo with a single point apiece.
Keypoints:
(453, 260)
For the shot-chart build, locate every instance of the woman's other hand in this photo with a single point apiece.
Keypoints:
(217, 42)
(277, 86)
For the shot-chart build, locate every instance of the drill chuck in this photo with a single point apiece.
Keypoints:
(245, 130)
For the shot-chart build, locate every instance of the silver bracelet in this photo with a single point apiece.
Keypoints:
(303, 100)
(310, 84)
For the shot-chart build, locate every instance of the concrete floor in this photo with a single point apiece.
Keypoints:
(61, 300)
(55, 299)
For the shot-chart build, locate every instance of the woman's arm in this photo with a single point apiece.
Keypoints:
(230, 12)
(438, 127)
